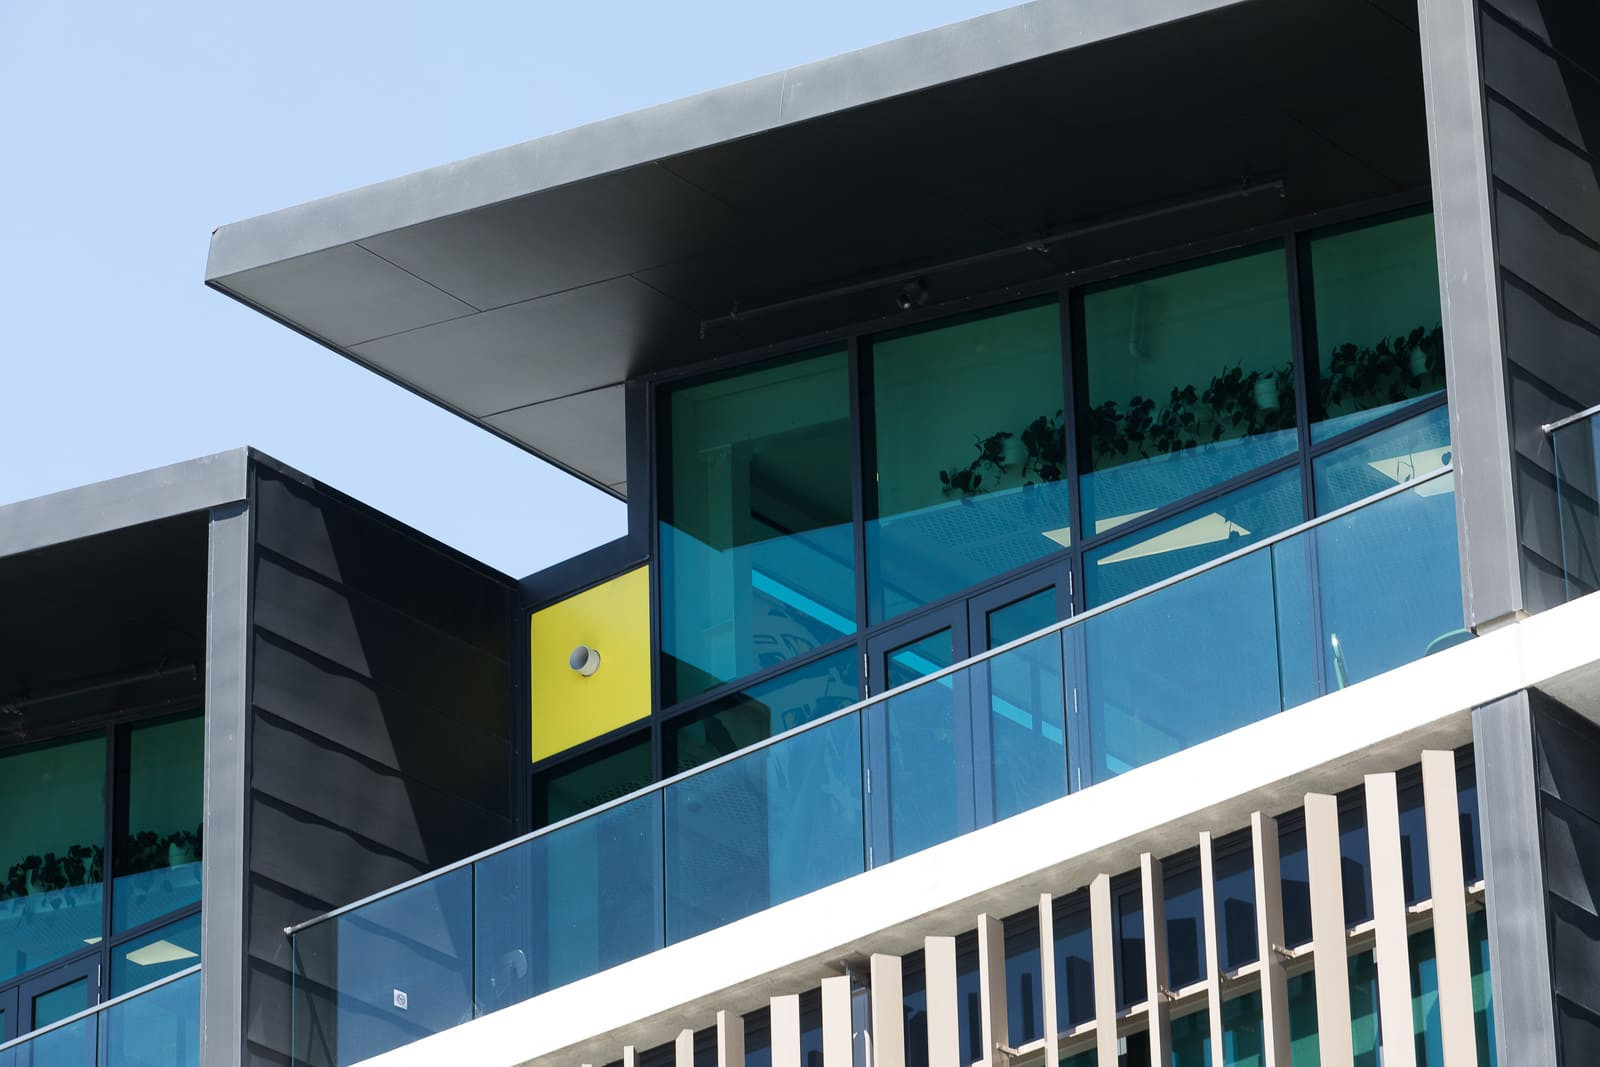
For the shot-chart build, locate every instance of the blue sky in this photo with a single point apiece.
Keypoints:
(130, 131)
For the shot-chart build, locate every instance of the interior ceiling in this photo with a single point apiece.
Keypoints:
(526, 315)
(102, 625)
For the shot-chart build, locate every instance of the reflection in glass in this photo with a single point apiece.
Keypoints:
(159, 847)
(1188, 382)
(767, 827)
(172, 948)
(1027, 707)
(967, 475)
(1387, 458)
(1129, 936)
(782, 703)
(593, 779)
(569, 904)
(1363, 978)
(1191, 1039)
(1402, 552)
(1185, 914)
(929, 757)
(1241, 1031)
(52, 841)
(161, 1026)
(1149, 656)
(757, 553)
(1578, 499)
(1193, 537)
(1376, 316)
(1234, 868)
(1024, 985)
(1074, 956)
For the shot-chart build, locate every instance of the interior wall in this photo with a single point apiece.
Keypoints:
(381, 739)
(1541, 74)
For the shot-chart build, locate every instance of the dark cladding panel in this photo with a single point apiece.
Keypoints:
(1542, 124)
(381, 721)
(1567, 749)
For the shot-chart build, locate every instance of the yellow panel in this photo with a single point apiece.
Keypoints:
(614, 619)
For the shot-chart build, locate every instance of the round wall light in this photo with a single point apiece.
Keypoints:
(584, 660)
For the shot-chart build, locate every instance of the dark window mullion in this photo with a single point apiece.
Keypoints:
(1301, 323)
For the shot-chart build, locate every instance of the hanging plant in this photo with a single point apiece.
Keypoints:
(968, 480)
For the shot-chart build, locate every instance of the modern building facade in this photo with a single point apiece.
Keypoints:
(1111, 521)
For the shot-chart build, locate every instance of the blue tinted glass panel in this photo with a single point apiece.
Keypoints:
(1026, 705)
(1188, 383)
(967, 473)
(389, 973)
(74, 1045)
(1385, 459)
(1471, 824)
(1236, 905)
(1375, 310)
(1389, 580)
(757, 554)
(161, 1026)
(1181, 666)
(51, 851)
(969, 1003)
(1296, 885)
(158, 861)
(147, 959)
(1193, 537)
(1024, 985)
(1129, 937)
(928, 755)
(767, 827)
(1354, 859)
(569, 904)
(1414, 870)
(1186, 936)
(782, 703)
(1074, 961)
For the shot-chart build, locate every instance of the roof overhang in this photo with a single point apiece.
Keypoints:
(522, 287)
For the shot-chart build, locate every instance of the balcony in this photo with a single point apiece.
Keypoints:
(157, 1024)
(1350, 596)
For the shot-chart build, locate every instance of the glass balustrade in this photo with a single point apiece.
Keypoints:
(1327, 606)
(157, 1024)
(1578, 499)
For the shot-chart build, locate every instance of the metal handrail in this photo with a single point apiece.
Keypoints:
(1552, 427)
(927, 679)
(70, 1020)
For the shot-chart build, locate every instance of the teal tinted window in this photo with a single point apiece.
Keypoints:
(757, 552)
(1383, 460)
(966, 479)
(1241, 1031)
(1027, 707)
(580, 784)
(1376, 322)
(172, 948)
(158, 852)
(1190, 538)
(1191, 1038)
(782, 703)
(1187, 383)
(52, 849)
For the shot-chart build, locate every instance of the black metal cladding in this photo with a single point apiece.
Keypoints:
(381, 729)
(1541, 79)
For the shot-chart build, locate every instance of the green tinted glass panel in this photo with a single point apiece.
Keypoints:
(1482, 998)
(1382, 461)
(784, 702)
(1364, 1010)
(1081, 1059)
(1187, 383)
(1375, 309)
(158, 855)
(172, 948)
(1190, 538)
(52, 846)
(583, 783)
(757, 553)
(60, 1003)
(1241, 1031)
(1303, 1048)
(967, 476)
(1191, 1036)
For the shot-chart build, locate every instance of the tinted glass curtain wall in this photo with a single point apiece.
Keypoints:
(1189, 412)
(66, 891)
